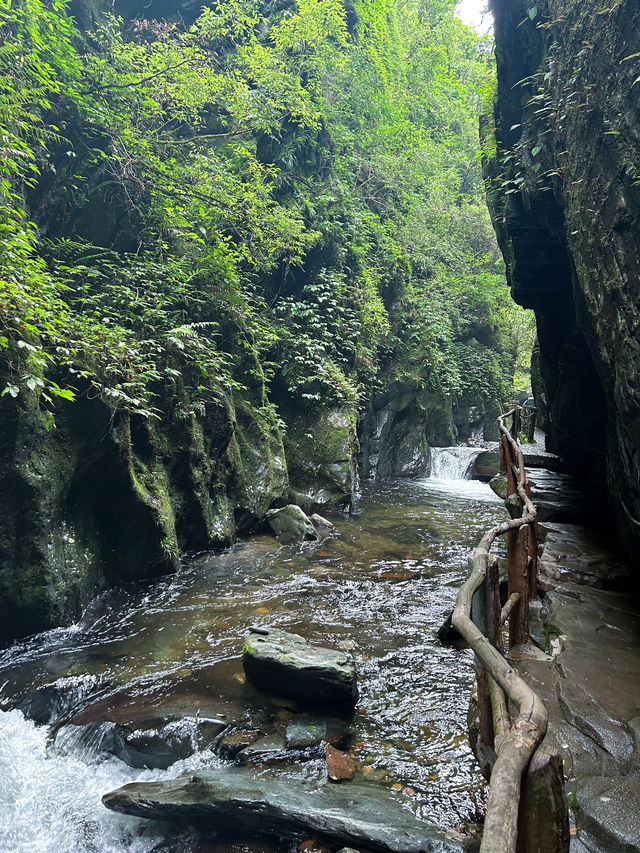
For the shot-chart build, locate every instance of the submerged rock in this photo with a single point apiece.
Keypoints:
(290, 524)
(323, 526)
(304, 732)
(287, 665)
(224, 798)
(271, 750)
(232, 744)
(340, 765)
(154, 744)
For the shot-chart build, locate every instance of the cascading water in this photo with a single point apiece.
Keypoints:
(453, 463)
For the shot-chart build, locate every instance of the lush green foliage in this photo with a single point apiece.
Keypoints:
(301, 184)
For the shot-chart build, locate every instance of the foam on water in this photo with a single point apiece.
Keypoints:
(50, 802)
(452, 463)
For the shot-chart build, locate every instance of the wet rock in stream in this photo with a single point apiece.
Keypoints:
(290, 524)
(271, 750)
(233, 743)
(287, 665)
(153, 744)
(340, 765)
(359, 814)
(323, 526)
(307, 731)
(50, 702)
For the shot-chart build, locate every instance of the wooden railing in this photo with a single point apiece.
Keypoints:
(527, 811)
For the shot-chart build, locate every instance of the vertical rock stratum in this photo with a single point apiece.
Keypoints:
(563, 173)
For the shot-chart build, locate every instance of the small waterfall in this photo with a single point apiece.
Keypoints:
(453, 463)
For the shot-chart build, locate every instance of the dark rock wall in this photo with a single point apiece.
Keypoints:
(401, 425)
(103, 498)
(564, 192)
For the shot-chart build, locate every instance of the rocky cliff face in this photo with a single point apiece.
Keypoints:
(564, 191)
(105, 498)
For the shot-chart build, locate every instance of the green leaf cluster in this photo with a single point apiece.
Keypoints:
(294, 186)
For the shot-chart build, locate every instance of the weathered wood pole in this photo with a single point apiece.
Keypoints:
(518, 573)
(482, 607)
(532, 552)
(518, 551)
(543, 820)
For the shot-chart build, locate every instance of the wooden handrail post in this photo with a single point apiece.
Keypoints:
(533, 818)
(532, 552)
(518, 572)
(543, 821)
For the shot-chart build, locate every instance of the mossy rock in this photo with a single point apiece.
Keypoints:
(321, 451)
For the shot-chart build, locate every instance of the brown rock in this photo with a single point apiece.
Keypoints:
(230, 745)
(340, 765)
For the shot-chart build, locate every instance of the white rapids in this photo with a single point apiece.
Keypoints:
(453, 463)
(50, 801)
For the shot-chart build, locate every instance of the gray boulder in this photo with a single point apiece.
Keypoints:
(290, 524)
(487, 464)
(287, 665)
(225, 798)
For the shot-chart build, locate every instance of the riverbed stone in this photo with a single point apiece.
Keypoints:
(271, 750)
(223, 798)
(288, 665)
(290, 524)
(230, 745)
(340, 765)
(307, 731)
(154, 744)
(323, 526)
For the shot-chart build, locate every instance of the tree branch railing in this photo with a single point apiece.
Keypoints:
(526, 810)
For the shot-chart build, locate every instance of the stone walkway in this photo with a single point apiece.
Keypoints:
(590, 684)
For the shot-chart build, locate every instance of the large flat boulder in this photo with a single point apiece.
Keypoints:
(288, 665)
(486, 464)
(224, 798)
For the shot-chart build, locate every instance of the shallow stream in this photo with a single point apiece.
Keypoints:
(381, 587)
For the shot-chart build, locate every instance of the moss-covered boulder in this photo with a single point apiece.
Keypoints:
(101, 497)
(321, 449)
(290, 524)
(82, 510)
(287, 665)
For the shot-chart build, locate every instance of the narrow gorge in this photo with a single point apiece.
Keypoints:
(270, 273)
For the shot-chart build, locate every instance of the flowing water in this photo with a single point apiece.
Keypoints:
(453, 463)
(381, 587)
